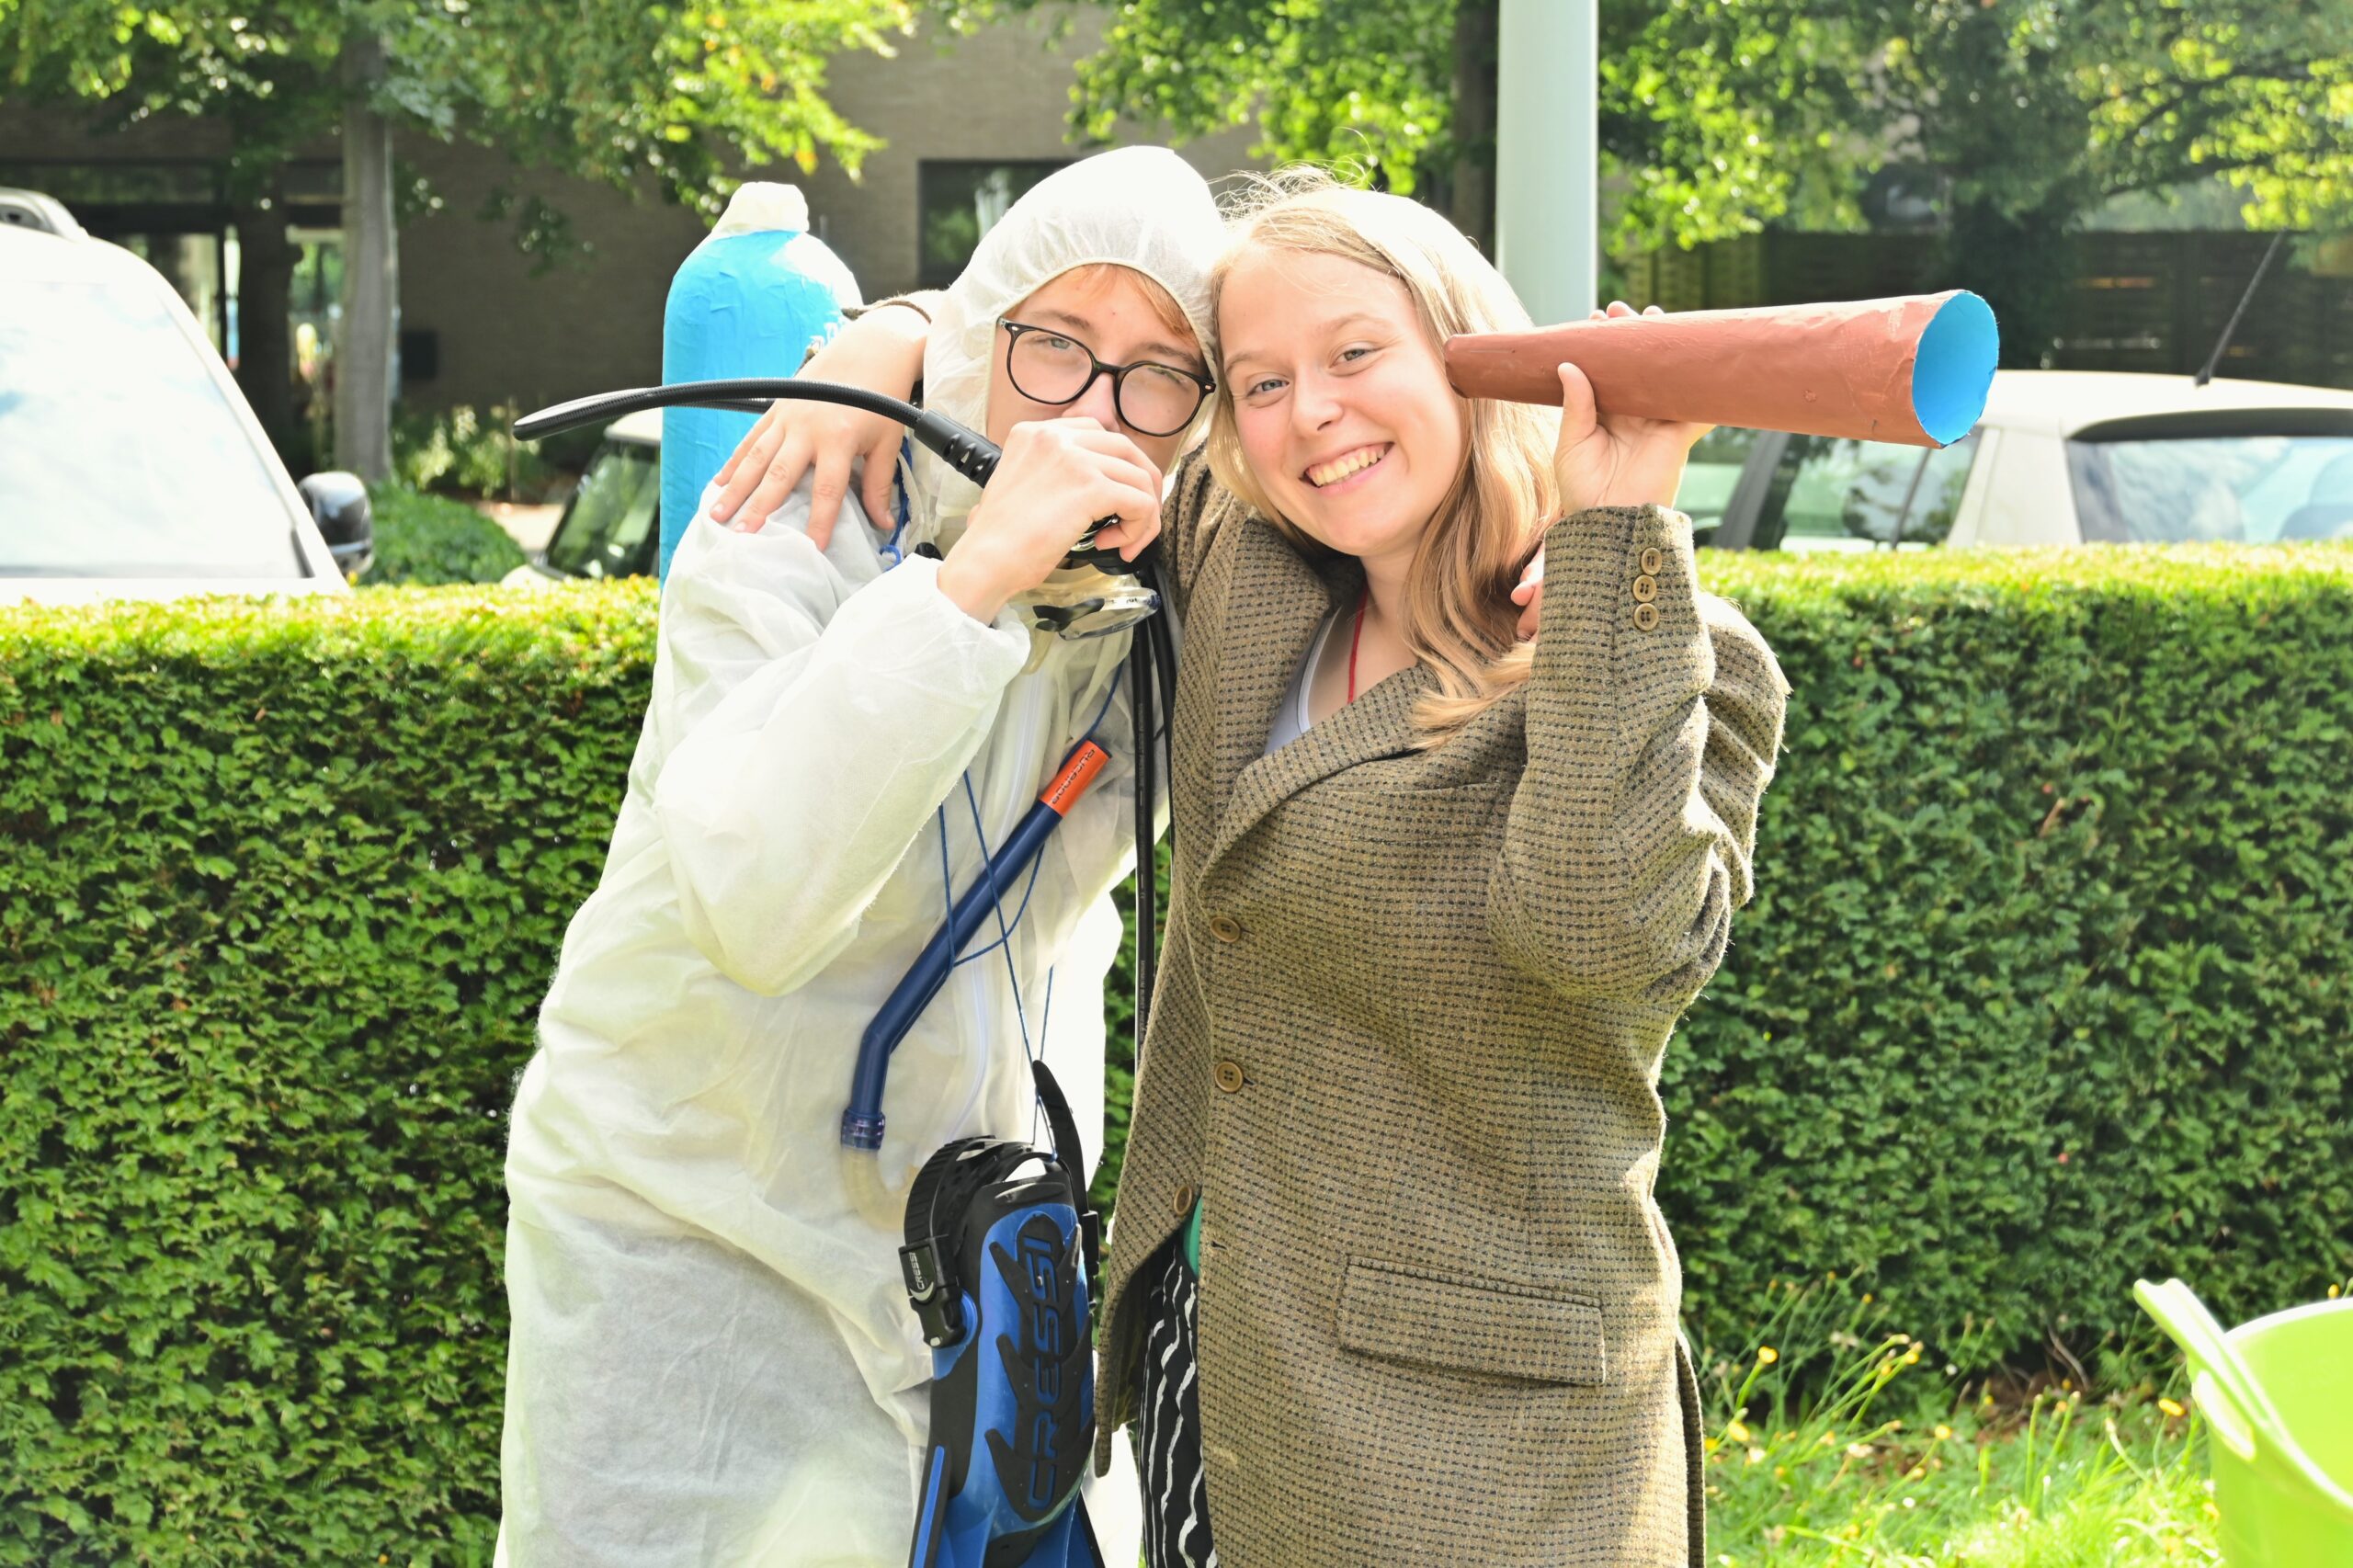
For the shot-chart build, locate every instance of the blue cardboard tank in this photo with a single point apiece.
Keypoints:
(748, 301)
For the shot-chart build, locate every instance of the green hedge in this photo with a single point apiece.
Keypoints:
(431, 539)
(280, 890)
(2045, 986)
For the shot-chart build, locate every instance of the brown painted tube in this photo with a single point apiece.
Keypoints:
(1913, 369)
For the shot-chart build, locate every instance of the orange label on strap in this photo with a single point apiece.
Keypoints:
(1079, 772)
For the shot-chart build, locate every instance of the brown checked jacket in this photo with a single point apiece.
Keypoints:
(1405, 1052)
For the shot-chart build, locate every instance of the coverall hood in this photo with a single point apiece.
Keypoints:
(1142, 208)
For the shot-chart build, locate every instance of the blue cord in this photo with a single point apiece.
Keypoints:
(1005, 929)
(997, 897)
(1116, 672)
(989, 865)
(1045, 1022)
(899, 508)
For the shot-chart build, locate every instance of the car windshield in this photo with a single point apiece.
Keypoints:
(2251, 489)
(1834, 492)
(120, 456)
(1710, 477)
(604, 530)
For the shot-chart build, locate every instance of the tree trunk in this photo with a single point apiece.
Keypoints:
(1471, 183)
(265, 346)
(363, 363)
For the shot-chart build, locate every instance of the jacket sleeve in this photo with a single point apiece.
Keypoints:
(1650, 739)
(807, 722)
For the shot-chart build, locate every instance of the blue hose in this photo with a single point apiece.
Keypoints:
(862, 1120)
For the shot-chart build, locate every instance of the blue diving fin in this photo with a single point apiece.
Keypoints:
(999, 1265)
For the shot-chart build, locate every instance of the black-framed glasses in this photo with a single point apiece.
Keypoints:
(1051, 367)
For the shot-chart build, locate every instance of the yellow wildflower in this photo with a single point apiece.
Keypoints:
(1767, 1355)
(2172, 1407)
(1943, 1432)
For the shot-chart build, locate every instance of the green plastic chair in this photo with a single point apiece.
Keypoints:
(2277, 1393)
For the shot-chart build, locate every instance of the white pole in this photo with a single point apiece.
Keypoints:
(1547, 149)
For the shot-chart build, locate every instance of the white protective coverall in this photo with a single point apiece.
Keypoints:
(712, 1359)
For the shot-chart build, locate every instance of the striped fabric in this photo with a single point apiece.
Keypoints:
(1168, 1433)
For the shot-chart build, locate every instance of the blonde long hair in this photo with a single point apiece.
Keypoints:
(1458, 618)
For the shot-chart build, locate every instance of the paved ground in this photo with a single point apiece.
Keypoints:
(1115, 1507)
(527, 526)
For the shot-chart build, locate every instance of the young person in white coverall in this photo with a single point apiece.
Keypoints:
(712, 1359)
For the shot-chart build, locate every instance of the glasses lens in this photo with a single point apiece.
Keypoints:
(1158, 398)
(1048, 368)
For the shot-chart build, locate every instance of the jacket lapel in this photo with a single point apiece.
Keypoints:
(1274, 602)
(1278, 599)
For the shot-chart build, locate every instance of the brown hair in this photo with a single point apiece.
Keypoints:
(1458, 618)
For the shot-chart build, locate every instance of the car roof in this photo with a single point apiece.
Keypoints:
(2060, 403)
(33, 255)
(645, 425)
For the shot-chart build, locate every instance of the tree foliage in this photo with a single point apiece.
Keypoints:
(1718, 116)
(611, 92)
(615, 91)
(2041, 104)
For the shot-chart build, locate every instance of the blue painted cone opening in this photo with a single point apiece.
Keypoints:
(1955, 367)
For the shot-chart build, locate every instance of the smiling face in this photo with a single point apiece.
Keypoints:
(1339, 398)
(1121, 316)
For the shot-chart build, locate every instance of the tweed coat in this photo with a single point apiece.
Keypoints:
(1406, 1049)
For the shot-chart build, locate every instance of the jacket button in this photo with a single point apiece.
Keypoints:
(1184, 1204)
(1225, 927)
(1652, 561)
(1645, 588)
(1228, 1077)
(1646, 617)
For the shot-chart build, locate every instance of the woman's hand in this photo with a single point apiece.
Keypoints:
(1058, 477)
(1605, 460)
(883, 350)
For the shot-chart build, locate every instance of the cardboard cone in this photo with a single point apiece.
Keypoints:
(1913, 369)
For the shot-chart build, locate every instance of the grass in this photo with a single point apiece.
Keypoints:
(1870, 1449)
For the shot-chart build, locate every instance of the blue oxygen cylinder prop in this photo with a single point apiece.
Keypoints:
(749, 301)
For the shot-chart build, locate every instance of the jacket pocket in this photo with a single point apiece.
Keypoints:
(1502, 1331)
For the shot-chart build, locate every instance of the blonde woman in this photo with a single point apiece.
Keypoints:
(1388, 1283)
(1439, 896)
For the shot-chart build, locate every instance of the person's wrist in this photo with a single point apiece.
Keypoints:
(975, 582)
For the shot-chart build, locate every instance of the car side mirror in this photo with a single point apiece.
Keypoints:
(339, 506)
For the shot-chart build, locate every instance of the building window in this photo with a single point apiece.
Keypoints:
(961, 200)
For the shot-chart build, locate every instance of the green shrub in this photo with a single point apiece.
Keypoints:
(430, 539)
(2045, 987)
